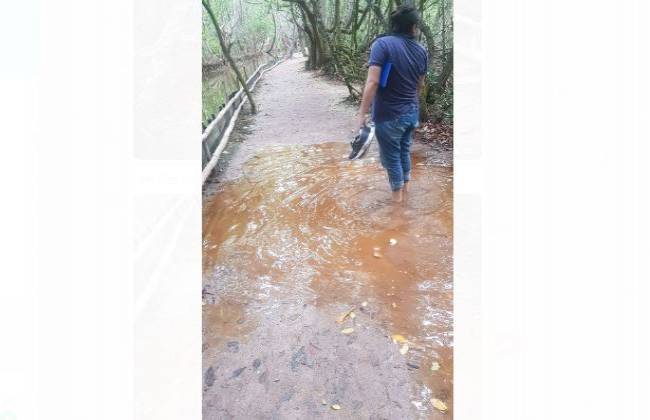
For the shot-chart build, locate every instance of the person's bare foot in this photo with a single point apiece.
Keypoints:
(405, 193)
(397, 196)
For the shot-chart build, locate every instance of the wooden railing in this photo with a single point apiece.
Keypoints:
(218, 131)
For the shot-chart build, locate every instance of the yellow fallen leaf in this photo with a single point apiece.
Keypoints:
(336, 407)
(392, 242)
(404, 349)
(347, 330)
(352, 315)
(343, 316)
(435, 366)
(398, 338)
(376, 254)
(439, 404)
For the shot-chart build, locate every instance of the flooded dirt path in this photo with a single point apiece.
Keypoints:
(318, 291)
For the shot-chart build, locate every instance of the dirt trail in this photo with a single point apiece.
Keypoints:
(294, 107)
(295, 235)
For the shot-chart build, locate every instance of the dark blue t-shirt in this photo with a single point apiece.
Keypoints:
(408, 63)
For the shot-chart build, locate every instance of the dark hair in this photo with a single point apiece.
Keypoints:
(403, 19)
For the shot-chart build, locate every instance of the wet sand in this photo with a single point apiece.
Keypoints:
(295, 236)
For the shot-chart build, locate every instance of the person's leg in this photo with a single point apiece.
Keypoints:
(405, 153)
(397, 196)
(389, 135)
(411, 121)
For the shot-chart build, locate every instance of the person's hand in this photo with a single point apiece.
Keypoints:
(362, 121)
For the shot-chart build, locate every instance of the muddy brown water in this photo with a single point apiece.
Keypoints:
(303, 227)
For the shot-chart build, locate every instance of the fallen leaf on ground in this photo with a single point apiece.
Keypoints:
(393, 241)
(343, 316)
(404, 349)
(376, 254)
(435, 366)
(398, 338)
(336, 407)
(364, 304)
(394, 305)
(352, 315)
(324, 402)
(347, 330)
(439, 405)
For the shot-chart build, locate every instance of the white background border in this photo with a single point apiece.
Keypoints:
(100, 173)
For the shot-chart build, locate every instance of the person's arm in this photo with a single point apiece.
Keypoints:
(369, 91)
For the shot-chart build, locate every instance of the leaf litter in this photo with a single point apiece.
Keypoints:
(438, 405)
(344, 315)
(399, 339)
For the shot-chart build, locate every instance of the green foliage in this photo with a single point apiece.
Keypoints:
(338, 47)
(249, 31)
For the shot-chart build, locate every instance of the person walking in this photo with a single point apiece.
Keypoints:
(396, 69)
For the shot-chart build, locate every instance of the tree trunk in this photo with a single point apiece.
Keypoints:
(376, 8)
(443, 35)
(226, 53)
(429, 38)
(275, 34)
(355, 23)
(447, 69)
(424, 112)
(337, 19)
